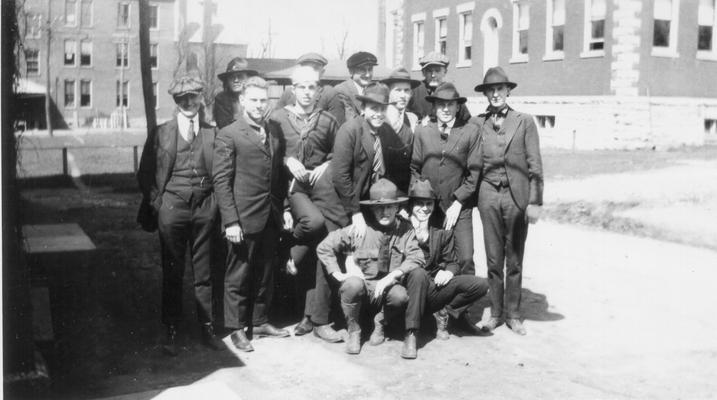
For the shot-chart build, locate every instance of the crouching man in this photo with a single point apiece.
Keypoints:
(376, 269)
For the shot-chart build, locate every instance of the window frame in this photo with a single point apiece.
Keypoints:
(129, 15)
(709, 55)
(155, 93)
(90, 94)
(438, 16)
(516, 55)
(75, 22)
(671, 50)
(550, 53)
(74, 53)
(91, 13)
(126, 55)
(74, 93)
(156, 7)
(118, 99)
(418, 48)
(463, 12)
(588, 32)
(91, 53)
(156, 57)
(33, 19)
(27, 72)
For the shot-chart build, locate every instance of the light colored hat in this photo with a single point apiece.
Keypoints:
(304, 73)
(434, 58)
(186, 84)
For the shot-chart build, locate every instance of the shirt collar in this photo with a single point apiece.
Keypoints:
(449, 124)
(359, 88)
(503, 112)
(183, 124)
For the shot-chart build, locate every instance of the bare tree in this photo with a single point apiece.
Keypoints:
(265, 44)
(341, 45)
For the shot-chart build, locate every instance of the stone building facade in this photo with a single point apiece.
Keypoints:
(595, 73)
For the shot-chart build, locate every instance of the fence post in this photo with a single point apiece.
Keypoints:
(136, 162)
(64, 161)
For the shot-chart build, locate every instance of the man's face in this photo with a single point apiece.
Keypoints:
(305, 92)
(236, 80)
(374, 113)
(446, 110)
(434, 75)
(254, 100)
(188, 104)
(497, 95)
(422, 209)
(400, 94)
(385, 214)
(362, 74)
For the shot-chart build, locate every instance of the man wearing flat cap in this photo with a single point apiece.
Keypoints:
(344, 105)
(324, 91)
(446, 153)
(175, 177)
(226, 107)
(510, 194)
(434, 67)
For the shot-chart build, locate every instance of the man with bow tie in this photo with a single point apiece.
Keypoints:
(510, 195)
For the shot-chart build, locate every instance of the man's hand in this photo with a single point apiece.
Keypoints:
(288, 221)
(533, 212)
(452, 214)
(317, 172)
(297, 169)
(386, 282)
(358, 226)
(352, 269)
(339, 276)
(234, 233)
(443, 277)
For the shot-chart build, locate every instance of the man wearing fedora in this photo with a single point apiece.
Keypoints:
(344, 105)
(510, 194)
(324, 92)
(226, 107)
(376, 268)
(447, 292)
(175, 179)
(434, 67)
(446, 153)
(251, 182)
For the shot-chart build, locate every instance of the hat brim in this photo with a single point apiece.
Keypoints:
(370, 100)
(250, 72)
(484, 86)
(429, 63)
(186, 92)
(414, 83)
(383, 202)
(433, 99)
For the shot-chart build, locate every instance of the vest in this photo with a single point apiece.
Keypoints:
(190, 177)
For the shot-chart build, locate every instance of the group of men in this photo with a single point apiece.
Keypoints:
(371, 186)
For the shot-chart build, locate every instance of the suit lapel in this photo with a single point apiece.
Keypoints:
(169, 139)
(455, 136)
(208, 146)
(367, 139)
(253, 137)
(352, 93)
(509, 127)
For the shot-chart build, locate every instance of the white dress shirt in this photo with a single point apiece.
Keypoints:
(183, 126)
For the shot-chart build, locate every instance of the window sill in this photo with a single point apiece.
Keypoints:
(464, 64)
(664, 52)
(69, 66)
(592, 54)
(518, 59)
(556, 56)
(706, 55)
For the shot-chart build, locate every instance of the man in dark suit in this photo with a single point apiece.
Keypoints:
(175, 179)
(344, 105)
(226, 107)
(434, 67)
(446, 153)
(251, 183)
(510, 194)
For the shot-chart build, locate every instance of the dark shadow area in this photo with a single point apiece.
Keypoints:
(534, 307)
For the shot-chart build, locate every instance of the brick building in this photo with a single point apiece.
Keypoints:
(595, 73)
(94, 58)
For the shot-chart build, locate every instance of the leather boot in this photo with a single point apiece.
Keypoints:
(353, 341)
(409, 345)
(377, 336)
(170, 345)
(303, 327)
(210, 339)
(441, 317)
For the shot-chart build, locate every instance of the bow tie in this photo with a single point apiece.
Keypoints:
(497, 112)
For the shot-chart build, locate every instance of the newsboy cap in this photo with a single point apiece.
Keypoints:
(446, 91)
(186, 84)
(312, 58)
(401, 75)
(361, 58)
(495, 76)
(434, 58)
(383, 192)
(237, 65)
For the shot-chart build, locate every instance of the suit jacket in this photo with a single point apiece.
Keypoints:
(454, 168)
(441, 252)
(523, 163)
(344, 106)
(226, 109)
(250, 180)
(353, 162)
(159, 155)
(422, 107)
(397, 148)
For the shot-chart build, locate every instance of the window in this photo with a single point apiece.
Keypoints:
(123, 15)
(85, 93)
(85, 53)
(153, 48)
(441, 35)
(465, 33)
(153, 16)
(711, 127)
(706, 29)
(33, 25)
(521, 26)
(545, 121)
(122, 91)
(71, 12)
(594, 33)
(122, 55)
(69, 93)
(555, 29)
(70, 49)
(419, 36)
(32, 62)
(155, 97)
(664, 35)
(86, 13)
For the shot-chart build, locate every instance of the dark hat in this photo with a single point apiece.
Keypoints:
(446, 92)
(186, 84)
(383, 192)
(401, 75)
(434, 58)
(495, 76)
(237, 65)
(313, 58)
(421, 189)
(375, 92)
(361, 58)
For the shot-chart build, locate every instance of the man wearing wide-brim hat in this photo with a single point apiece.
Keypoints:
(434, 67)
(324, 92)
(226, 107)
(510, 194)
(344, 105)
(175, 177)
(377, 269)
(446, 153)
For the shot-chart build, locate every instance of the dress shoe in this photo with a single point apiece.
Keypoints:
(240, 341)
(491, 324)
(353, 342)
(170, 345)
(409, 346)
(303, 327)
(377, 336)
(268, 329)
(327, 333)
(210, 339)
(441, 317)
(516, 326)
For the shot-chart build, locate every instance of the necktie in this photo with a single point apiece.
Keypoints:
(190, 131)
(444, 131)
(378, 168)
